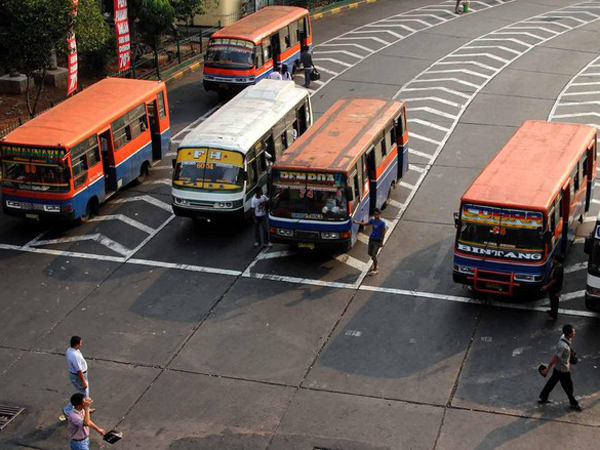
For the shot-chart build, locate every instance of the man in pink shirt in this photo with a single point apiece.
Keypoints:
(80, 423)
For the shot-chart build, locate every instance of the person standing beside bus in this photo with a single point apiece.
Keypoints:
(554, 285)
(285, 73)
(457, 9)
(275, 75)
(307, 63)
(259, 213)
(375, 238)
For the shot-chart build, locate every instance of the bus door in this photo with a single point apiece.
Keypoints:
(107, 151)
(154, 130)
(566, 212)
(275, 49)
(397, 139)
(369, 164)
(589, 171)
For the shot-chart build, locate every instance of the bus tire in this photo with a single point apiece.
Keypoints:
(91, 210)
(144, 172)
(385, 204)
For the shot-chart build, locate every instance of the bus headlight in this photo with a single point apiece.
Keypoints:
(180, 201)
(528, 278)
(330, 235)
(285, 232)
(223, 205)
(52, 208)
(12, 204)
(593, 291)
(464, 269)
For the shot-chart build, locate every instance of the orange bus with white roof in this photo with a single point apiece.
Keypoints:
(340, 170)
(525, 207)
(63, 163)
(246, 51)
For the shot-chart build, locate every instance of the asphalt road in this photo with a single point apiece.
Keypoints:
(196, 340)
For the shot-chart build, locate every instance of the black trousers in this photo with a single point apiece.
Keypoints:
(554, 298)
(565, 382)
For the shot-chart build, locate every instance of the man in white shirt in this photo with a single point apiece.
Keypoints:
(276, 74)
(259, 213)
(77, 370)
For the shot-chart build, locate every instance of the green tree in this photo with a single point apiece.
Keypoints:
(31, 30)
(91, 30)
(153, 19)
(185, 10)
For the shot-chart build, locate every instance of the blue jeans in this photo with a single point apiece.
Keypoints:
(80, 445)
(307, 73)
(78, 385)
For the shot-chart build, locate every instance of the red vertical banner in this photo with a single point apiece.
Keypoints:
(73, 65)
(122, 32)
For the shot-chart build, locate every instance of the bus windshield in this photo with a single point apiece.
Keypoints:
(501, 233)
(230, 54)
(209, 169)
(313, 196)
(35, 169)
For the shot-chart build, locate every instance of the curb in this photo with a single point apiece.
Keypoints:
(189, 67)
(339, 9)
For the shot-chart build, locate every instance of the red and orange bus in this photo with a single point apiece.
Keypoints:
(65, 162)
(524, 208)
(246, 51)
(341, 169)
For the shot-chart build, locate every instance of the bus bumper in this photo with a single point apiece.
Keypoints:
(220, 86)
(592, 298)
(212, 214)
(497, 287)
(39, 215)
(343, 241)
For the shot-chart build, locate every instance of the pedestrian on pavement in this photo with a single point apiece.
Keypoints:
(555, 285)
(79, 422)
(307, 63)
(259, 212)
(276, 74)
(77, 370)
(561, 360)
(285, 73)
(457, 9)
(378, 229)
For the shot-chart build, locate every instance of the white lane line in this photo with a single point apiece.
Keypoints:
(416, 169)
(399, 36)
(165, 181)
(429, 124)
(161, 168)
(485, 54)
(362, 38)
(437, 112)
(471, 63)
(423, 138)
(466, 71)
(330, 72)
(125, 219)
(449, 79)
(186, 267)
(351, 261)
(35, 239)
(332, 60)
(143, 198)
(443, 101)
(412, 151)
(439, 88)
(395, 203)
(97, 237)
(64, 253)
(337, 52)
(572, 296)
(576, 267)
(406, 185)
(151, 235)
(363, 238)
(394, 22)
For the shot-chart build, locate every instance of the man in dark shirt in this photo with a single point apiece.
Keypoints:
(307, 62)
(554, 285)
(375, 238)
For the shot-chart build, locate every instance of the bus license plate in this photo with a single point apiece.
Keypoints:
(33, 216)
(495, 286)
(310, 246)
(223, 86)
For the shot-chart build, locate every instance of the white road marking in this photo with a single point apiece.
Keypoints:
(576, 267)
(186, 267)
(395, 203)
(125, 219)
(412, 151)
(363, 238)
(351, 261)
(97, 237)
(144, 198)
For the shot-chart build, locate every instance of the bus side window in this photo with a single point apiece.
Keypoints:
(252, 169)
(356, 186)
(583, 167)
(267, 53)
(552, 216)
(575, 184)
(261, 160)
(380, 152)
(306, 27)
(259, 56)
(284, 39)
(293, 34)
(161, 105)
(80, 169)
(269, 148)
(389, 140)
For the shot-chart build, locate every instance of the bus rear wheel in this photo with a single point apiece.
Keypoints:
(144, 172)
(91, 210)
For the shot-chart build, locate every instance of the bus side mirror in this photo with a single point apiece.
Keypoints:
(349, 193)
(587, 246)
(455, 220)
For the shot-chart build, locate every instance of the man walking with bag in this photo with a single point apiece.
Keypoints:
(561, 360)
(307, 63)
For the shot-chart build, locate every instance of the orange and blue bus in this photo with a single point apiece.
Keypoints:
(340, 170)
(246, 51)
(65, 162)
(524, 208)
